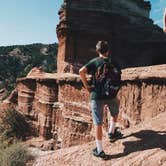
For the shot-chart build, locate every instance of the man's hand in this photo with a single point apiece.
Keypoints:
(88, 88)
(83, 72)
(164, 29)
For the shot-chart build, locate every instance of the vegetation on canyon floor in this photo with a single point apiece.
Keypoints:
(13, 129)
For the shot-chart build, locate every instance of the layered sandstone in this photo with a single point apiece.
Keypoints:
(58, 104)
(143, 94)
(141, 145)
(125, 24)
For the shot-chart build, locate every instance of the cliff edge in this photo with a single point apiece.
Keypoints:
(141, 145)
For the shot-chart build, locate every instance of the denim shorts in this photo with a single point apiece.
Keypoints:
(97, 107)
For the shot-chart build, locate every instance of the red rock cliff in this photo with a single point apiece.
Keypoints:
(59, 105)
(135, 40)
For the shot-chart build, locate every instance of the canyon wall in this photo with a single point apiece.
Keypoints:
(143, 94)
(125, 24)
(58, 105)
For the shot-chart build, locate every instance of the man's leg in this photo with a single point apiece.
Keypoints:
(114, 111)
(98, 130)
(97, 114)
(113, 107)
(113, 124)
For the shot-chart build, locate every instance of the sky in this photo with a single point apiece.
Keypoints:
(34, 21)
(158, 7)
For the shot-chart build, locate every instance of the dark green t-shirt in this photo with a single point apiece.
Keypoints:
(92, 66)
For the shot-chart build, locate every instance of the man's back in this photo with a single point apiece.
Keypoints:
(105, 78)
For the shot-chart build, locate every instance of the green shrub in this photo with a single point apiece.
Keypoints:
(14, 124)
(14, 155)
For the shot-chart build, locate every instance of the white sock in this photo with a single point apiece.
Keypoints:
(112, 127)
(99, 145)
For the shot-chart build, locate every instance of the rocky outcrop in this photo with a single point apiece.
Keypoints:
(58, 104)
(76, 123)
(143, 94)
(135, 41)
(141, 145)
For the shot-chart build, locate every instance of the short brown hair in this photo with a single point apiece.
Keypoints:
(102, 47)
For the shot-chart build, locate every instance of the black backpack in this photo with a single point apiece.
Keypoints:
(107, 79)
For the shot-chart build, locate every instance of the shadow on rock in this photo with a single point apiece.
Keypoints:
(149, 139)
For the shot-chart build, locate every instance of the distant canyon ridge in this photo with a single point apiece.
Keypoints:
(17, 61)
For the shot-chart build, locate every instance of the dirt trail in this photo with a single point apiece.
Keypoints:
(142, 145)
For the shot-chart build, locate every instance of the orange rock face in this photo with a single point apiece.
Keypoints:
(143, 94)
(134, 39)
(141, 145)
(58, 105)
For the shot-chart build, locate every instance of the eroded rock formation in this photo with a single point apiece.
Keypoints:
(141, 145)
(143, 94)
(125, 24)
(59, 104)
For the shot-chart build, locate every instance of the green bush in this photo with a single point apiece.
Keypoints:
(14, 124)
(14, 155)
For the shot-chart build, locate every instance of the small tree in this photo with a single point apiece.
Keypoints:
(14, 155)
(14, 124)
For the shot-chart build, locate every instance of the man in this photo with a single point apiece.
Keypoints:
(99, 98)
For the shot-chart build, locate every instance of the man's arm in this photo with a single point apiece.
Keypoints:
(83, 72)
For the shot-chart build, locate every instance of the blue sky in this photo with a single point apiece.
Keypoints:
(157, 11)
(34, 21)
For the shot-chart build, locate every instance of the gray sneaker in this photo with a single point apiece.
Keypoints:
(96, 154)
(114, 136)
